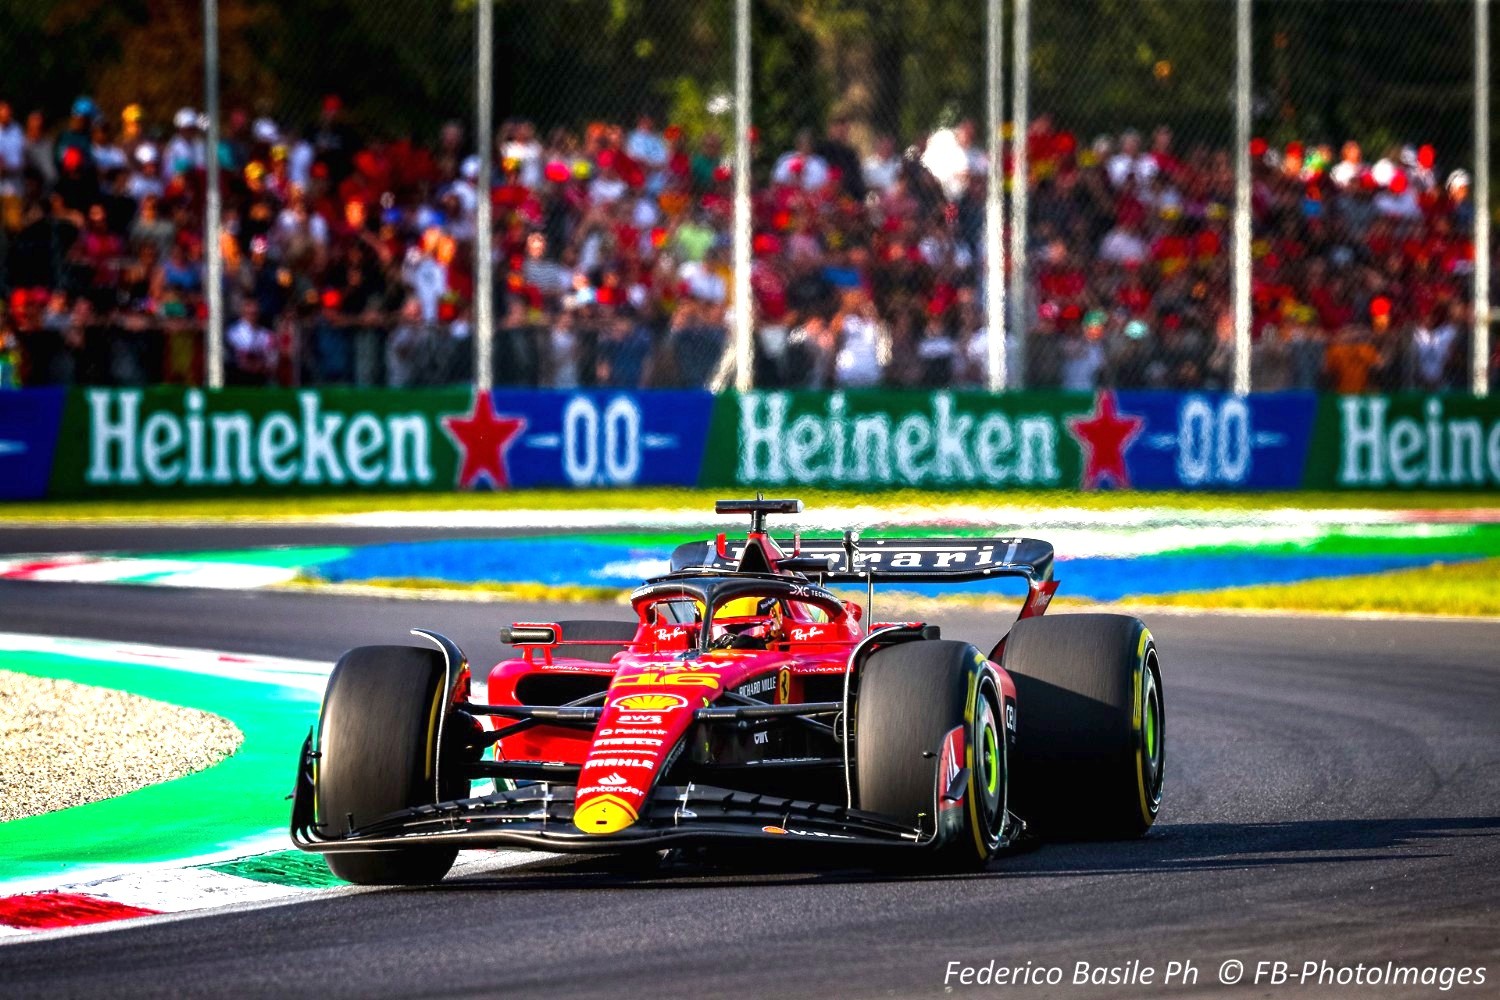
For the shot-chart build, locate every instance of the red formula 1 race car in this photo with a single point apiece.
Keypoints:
(746, 703)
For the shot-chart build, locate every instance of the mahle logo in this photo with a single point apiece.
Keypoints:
(196, 447)
(1438, 450)
(936, 445)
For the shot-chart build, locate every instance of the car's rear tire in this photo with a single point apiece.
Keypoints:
(911, 696)
(596, 630)
(1090, 726)
(377, 745)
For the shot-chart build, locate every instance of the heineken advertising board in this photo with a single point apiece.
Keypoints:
(1406, 441)
(1142, 440)
(118, 442)
(137, 442)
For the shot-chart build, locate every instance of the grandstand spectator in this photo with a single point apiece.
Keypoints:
(1351, 360)
(801, 166)
(842, 160)
(622, 353)
(450, 154)
(1130, 168)
(646, 146)
(882, 167)
(12, 153)
(339, 239)
(952, 156)
(335, 144)
(73, 156)
(935, 354)
(10, 353)
(184, 152)
(1434, 346)
(252, 356)
(39, 147)
(863, 343)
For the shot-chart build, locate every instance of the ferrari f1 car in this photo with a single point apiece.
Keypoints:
(746, 702)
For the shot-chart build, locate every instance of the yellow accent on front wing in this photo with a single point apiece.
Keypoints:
(605, 814)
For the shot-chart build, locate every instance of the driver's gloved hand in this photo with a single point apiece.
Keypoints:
(747, 641)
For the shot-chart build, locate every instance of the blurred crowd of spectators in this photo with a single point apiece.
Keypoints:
(349, 258)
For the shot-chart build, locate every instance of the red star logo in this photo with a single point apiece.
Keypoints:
(483, 439)
(1104, 435)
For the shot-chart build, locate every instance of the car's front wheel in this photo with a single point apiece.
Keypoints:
(930, 748)
(377, 753)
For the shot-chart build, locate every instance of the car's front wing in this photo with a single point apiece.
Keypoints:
(541, 816)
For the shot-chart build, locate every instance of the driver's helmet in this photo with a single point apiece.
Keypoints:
(740, 607)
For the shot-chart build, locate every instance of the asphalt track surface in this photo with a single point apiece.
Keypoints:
(1333, 794)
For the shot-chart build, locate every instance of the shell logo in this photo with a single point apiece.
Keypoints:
(649, 702)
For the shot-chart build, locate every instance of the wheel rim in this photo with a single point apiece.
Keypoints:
(989, 764)
(1153, 735)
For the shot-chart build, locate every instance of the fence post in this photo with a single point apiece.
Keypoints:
(994, 215)
(1481, 364)
(213, 253)
(1020, 113)
(1242, 197)
(744, 308)
(484, 250)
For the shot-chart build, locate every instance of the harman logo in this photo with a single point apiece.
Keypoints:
(940, 445)
(236, 448)
(1376, 449)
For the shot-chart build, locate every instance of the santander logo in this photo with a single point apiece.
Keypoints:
(613, 779)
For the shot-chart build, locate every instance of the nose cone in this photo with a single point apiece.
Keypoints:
(650, 707)
(605, 814)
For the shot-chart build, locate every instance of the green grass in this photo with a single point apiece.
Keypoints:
(1464, 588)
(676, 499)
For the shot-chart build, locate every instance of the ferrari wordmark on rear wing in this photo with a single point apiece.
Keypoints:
(907, 560)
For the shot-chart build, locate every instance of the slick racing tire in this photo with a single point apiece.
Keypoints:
(1090, 726)
(377, 744)
(911, 696)
(595, 630)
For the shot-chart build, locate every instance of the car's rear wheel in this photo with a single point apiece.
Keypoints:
(378, 753)
(1090, 725)
(915, 699)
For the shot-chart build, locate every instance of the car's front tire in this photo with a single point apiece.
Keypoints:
(377, 753)
(911, 697)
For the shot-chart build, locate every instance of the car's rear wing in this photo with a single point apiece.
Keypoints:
(888, 560)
